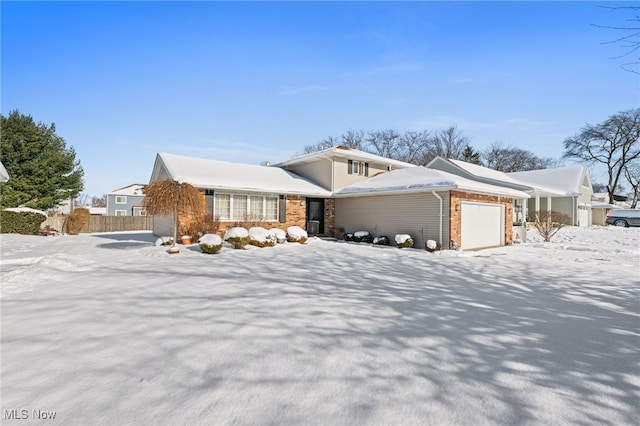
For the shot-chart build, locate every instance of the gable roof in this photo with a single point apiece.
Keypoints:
(476, 172)
(223, 175)
(568, 180)
(133, 189)
(344, 152)
(422, 179)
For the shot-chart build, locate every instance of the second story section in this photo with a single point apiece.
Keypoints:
(126, 201)
(338, 167)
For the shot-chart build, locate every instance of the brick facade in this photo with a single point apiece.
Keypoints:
(455, 222)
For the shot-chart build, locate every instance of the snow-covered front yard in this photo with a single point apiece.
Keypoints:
(110, 329)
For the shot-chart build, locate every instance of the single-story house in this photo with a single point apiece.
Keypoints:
(346, 189)
(126, 201)
(566, 190)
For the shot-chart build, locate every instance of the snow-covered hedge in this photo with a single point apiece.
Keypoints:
(295, 234)
(238, 237)
(210, 243)
(21, 222)
(359, 237)
(432, 245)
(281, 236)
(404, 240)
(261, 237)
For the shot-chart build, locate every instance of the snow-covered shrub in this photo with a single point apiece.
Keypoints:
(362, 237)
(238, 237)
(164, 241)
(382, 240)
(404, 241)
(210, 243)
(77, 220)
(281, 236)
(548, 223)
(261, 237)
(349, 236)
(295, 234)
(26, 223)
(432, 245)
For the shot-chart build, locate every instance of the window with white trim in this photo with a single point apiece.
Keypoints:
(360, 168)
(240, 207)
(121, 199)
(121, 212)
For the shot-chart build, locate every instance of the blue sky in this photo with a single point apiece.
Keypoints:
(249, 82)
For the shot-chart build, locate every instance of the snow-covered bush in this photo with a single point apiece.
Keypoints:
(362, 237)
(210, 243)
(261, 237)
(432, 245)
(281, 236)
(349, 236)
(164, 241)
(238, 237)
(295, 234)
(404, 241)
(382, 240)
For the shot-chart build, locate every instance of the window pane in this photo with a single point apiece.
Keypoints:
(222, 206)
(255, 207)
(271, 208)
(239, 207)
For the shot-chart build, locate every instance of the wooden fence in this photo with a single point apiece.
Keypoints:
(105, 223)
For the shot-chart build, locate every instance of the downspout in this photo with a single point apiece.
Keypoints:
(435, 194)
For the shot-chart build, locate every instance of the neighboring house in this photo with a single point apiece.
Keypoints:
(127, 201)
(349, 189)
(599, 212)
(567, 190)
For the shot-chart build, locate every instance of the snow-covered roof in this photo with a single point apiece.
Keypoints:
(422, 179)
(4, 175)
(472, 171)
(601, 205)
(567, 180)
(25, 210)
(223, 175)
(343, 151)
(133, 189)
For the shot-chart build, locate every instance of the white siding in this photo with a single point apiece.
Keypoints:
(415, 214)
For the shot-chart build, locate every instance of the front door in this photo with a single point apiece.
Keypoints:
(315, 216)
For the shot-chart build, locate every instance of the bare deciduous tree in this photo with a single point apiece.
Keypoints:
(629, 40)
(508, 158)
(548, 223)
(447, 143)
(614, 143)
(632, 173)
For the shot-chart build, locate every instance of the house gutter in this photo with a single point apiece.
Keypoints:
(435, 194)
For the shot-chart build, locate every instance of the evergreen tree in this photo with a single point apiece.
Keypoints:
(43, 171)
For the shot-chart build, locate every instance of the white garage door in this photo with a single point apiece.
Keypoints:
(482, 225)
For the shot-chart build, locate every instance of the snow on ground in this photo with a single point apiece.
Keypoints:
(110, 329)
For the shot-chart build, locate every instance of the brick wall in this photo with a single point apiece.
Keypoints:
(455, 223)
(329, 216)
(296, 212)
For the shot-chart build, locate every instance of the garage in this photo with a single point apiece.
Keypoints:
(482, 225)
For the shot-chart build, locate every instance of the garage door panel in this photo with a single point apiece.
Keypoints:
(482, 225)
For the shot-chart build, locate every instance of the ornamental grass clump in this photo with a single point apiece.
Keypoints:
(210, 243)
(172, 198)
(77, 220)
(237, 237)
